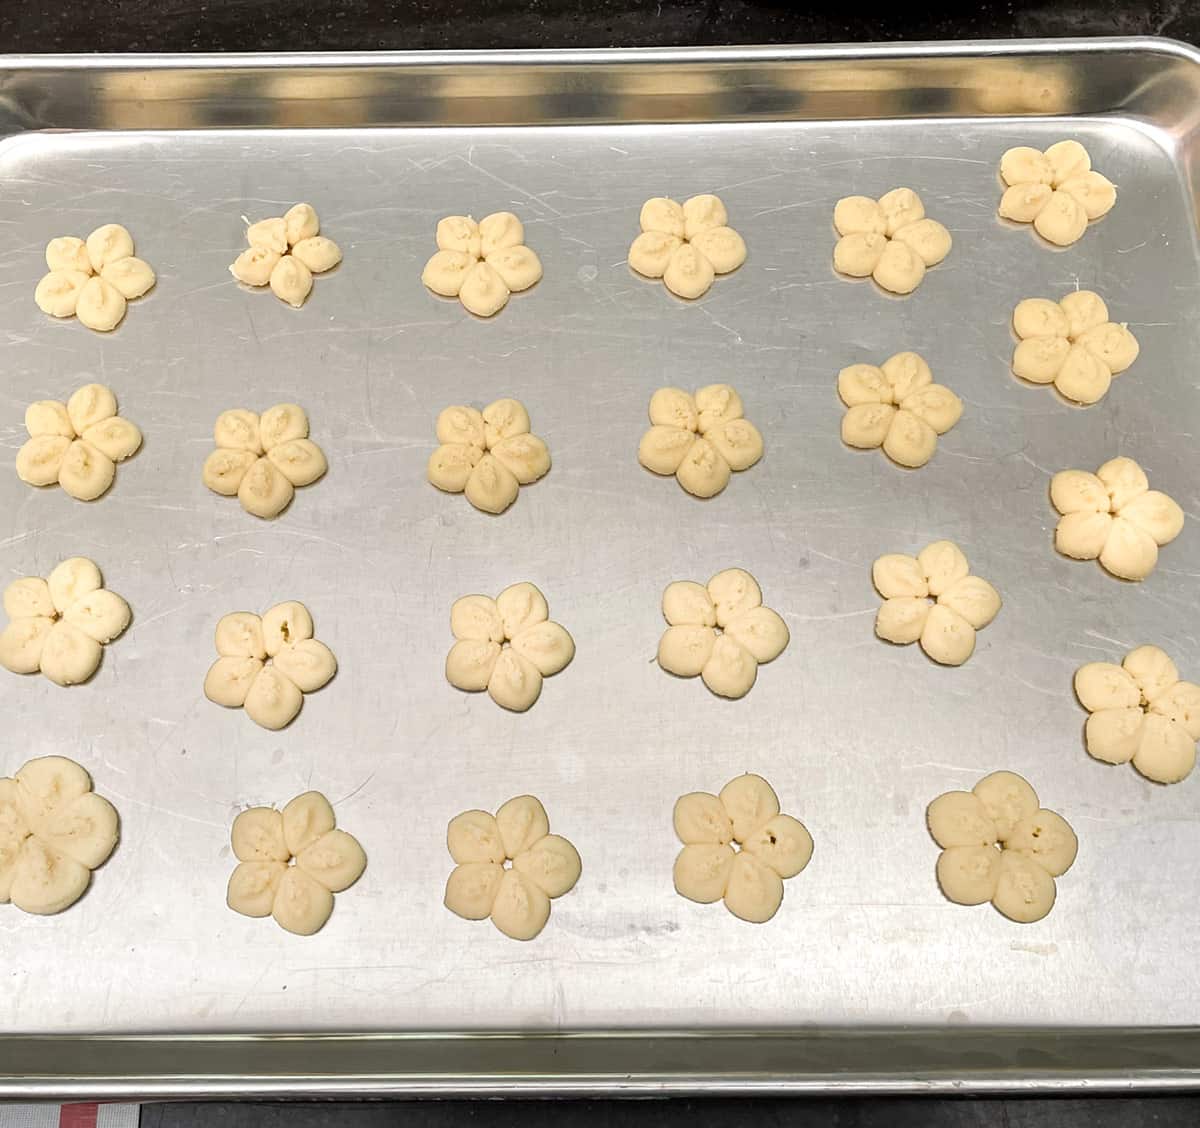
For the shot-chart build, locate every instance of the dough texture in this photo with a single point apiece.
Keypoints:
(266, 665)
(1115, 517)
(291, 863)
(284, 253)
(700, 439)
(509, 867)
(76, 444)
(738, 848)
(1140, 712)
(1000, 845)
(720, 632)
(897, 407)
(263, 459)
(59, 625)
(1056, 190)
(93, 280)
(488, 455)
(931, 598)
(482, 264)
(506, 646)
(54, 830)
(686, 245)
(888, 239)
(1072, 344)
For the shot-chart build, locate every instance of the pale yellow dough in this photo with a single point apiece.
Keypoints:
(291, 863)
(750, 634)
(686, 245)
(93, 280)
(263, 460)
(487, 455)
(1115, 517)
(999, 845)
(482, 263)
(77, 444)
(59, 625)
(284, 253)
(506, 646)
(1141, 712)
(932, 599)
(54, 830)
(1056, 190)
(701, 439)
(509, 867)
(267, 664)
(737, 847)
(897, 407)
(889, 239)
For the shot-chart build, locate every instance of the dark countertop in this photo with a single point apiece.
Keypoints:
(36, 26)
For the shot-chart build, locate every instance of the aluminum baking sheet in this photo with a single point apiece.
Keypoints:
(855, 735)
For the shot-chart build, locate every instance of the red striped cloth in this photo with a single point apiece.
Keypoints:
(69, 1116)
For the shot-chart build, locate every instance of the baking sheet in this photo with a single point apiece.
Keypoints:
(856, 736)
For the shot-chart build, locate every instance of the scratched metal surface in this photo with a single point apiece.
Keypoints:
(855, 735)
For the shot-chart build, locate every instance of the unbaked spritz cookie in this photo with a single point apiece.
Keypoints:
(1141, 712)
(686, 245)
(1072, 344)
(720, 631)
(999, 845)
(76, 444)
(481, 263)
(898, 407)
(1055, 190)
(738, 848)
(267, 664)
(262, 459)
(284, 252)
(889, 239)
(700, 439)
(509, 867)
(291, 863)
(933, 599)
(60, 624)
(506, 645)
(54, 830)
(488, 454)
(1113, 515)
(93, 279)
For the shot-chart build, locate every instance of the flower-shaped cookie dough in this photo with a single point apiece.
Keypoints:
(720, 631)
(506, 645)
(509, 867)
(1141, 711)
(54, 830)
(263, 458)
(93, 280)
(999, 845)
(738, 847)
(931, 598)
(76, 444)
(59, 625)
(1072, 344)
(285, 252)
(267, 664)
(896, 406)
(1115, 516)
(686, 245)
(1056, 191)
(291, 863)
(488, 455)
(699, 439)
(481, 263)
(890, 239)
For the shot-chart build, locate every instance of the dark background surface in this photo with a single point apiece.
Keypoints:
(320, 25)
